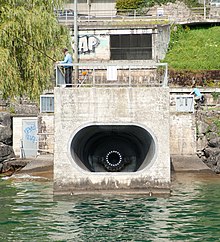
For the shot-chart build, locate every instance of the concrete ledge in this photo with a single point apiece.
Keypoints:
(145, 192)
(40, 163)
(189, 163)
(40, 167)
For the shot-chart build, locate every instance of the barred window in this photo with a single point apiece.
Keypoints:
(47, 103)
(131, 47)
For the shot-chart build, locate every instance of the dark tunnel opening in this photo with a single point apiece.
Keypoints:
(113, 148)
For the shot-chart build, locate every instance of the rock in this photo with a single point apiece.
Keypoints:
(25, 107)
(214, 142)
(202, 127)
(211, 151)
(10, 166)
(212, 161)
(217, 169)
(5, 119)
(5, 135)
(6, 152)
(5, 128)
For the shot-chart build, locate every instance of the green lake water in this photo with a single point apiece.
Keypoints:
(30, 213)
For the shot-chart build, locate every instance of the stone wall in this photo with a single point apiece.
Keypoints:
(46, 133)
(208, 132)
(6, 151)
(175, 11)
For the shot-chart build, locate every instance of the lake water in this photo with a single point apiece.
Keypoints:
(30, 213)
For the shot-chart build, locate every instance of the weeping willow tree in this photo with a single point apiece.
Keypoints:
(31, 41)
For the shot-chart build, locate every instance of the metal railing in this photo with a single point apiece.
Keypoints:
(205, 12)
(99, 75)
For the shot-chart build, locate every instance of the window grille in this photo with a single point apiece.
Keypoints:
(131, 47)
(47, 103)
(185, 104)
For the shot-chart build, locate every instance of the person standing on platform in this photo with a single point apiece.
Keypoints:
(68, 69)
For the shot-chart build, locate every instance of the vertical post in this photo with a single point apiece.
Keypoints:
(129, 76)
(76, 57)
(165, 82)
(204, 9)
(89, 9)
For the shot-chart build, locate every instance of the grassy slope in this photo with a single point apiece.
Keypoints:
(194, 49)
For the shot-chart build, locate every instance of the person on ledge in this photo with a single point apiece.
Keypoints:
(198, 96)
(68, 70)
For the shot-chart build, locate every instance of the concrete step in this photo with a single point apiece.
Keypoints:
(189, 163)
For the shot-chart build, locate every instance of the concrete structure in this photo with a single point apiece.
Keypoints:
(182, 134)
(105, 43)
(182, 126)
(138, 117)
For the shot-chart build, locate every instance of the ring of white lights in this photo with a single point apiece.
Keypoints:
(113, 152)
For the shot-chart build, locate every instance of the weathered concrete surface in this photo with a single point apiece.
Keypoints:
(41, 168)
(189, 163)
(79, 107)
(40, 163)
(182, 134)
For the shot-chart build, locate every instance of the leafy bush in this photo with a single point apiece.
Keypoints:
(129, 4)
(215, 95)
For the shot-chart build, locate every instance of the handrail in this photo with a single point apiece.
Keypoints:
(114, 74)
(205, 12)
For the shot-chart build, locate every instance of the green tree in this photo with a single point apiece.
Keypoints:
(129, 4)
(30, 41)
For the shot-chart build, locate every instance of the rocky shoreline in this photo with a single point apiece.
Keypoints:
(208, 136)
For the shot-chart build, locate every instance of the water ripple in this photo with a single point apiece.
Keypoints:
(29, 213)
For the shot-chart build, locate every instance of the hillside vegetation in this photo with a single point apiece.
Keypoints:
(194, 49)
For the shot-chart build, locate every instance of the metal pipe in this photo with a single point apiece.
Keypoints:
(76, 57)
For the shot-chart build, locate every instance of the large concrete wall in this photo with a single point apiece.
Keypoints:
(182, 134)
(79, 107)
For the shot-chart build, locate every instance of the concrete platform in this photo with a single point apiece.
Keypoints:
(43, 166)
(39, 163)
(189, 163)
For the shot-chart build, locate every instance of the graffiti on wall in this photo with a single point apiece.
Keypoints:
(88, 43)
(30, 133)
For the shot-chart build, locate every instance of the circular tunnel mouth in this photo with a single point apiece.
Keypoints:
(113, 148)
(113, 161)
